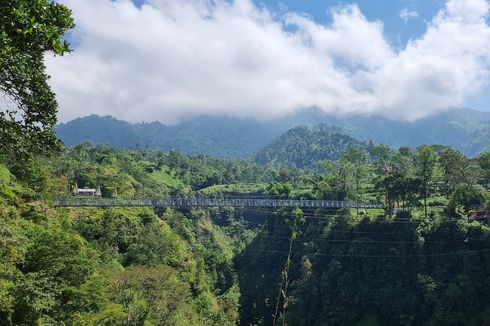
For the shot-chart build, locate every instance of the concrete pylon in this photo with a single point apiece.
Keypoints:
(74, 189)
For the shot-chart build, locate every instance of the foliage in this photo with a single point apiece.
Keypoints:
(218, 266)
(153, 295)
(484, 163)
(348, 271)
(164, 177)
(467, 197)
(239, 138)
(29, 30)
(426, 167)
(458, 169)
(304, 148)
(279, 190)
(109, 267)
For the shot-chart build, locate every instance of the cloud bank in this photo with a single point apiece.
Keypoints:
(172, 59)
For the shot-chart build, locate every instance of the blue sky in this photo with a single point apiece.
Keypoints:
(398, 30)
(387, 11)
(169, 60)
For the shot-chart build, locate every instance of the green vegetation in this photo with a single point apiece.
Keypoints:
(29, 30)
(228, 137)
(223, 266)
(303, 147)
(234, 189)
(4, 174)
(165, 178)
(351, 271)
(410, 263)
(111, 267)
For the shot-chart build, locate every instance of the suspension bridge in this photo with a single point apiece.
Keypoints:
(206, 202)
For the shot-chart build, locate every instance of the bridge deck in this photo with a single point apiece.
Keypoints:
(206, 202)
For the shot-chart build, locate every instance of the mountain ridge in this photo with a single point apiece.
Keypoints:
(242, 138)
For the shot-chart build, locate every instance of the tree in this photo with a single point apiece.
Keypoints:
(467, 197)
(402, 164)
(398, 188)
(28, 30)
(152, 295)
(406, 151)
(484, 162)
(343, 182)
(426, 165)
(380, 153)
(56, 264)
(358, 158)
(457, 169)
(279, 189)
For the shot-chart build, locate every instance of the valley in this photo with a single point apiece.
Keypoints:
(223, 265)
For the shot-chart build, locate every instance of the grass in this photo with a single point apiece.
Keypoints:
(165, 176)
(437, 200)
(4, 174)
(302, 192)
(235, 187)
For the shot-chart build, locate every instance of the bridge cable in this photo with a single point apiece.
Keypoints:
(375, 221)
(283, 290)
(453, 253)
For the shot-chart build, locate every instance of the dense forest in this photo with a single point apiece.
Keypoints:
(304, 147)
(229, 137)
(410, 263)
(421, 257)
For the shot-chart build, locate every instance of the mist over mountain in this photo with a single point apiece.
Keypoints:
(465, 129)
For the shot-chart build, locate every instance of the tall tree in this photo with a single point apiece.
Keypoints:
(358, 158)
(380, 154)
(426, 163)
(342, 179)
(457, 169)
(484, 163)
(28, 30)
(467, 197)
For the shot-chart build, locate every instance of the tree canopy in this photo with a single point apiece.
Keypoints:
(29, 30)
(222, 265)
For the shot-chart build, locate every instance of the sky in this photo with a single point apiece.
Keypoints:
(169, 60)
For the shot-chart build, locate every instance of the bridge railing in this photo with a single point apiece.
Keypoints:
(206, 202)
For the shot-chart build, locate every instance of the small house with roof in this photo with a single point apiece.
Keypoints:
(478, 215)
(86, 192)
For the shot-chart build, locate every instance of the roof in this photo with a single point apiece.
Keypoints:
(86, 190)
(478, 214)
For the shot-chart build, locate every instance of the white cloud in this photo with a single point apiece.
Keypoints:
(407, 14)
(172, 59)
(467, 11)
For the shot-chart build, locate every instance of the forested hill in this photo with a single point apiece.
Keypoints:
(464, 129)
(304, 147)
(217, 136)
(225, 265)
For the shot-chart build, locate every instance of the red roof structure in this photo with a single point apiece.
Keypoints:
(478, 215)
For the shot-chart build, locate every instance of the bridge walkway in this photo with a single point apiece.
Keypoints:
(206, 202)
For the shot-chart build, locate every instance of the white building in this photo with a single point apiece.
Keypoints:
(90, 192)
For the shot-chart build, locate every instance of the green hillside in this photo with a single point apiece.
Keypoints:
(305, 147)
(163, 176)
(419, 254)
(223, 266)
(230, 137)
